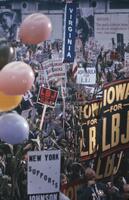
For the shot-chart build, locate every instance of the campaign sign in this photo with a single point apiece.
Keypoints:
(86, 77)
(47, 97)
(126, 58)
(56, 70)
(69, 33)
(43, 175)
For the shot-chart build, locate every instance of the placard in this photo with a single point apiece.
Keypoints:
(56, 70)
(126, 59)
(86, 76)
(47, 97)
(51, 70)
(43, 174)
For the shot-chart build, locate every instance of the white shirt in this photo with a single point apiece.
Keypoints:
(63, 196)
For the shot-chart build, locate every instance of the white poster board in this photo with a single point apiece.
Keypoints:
(43, 173)
(56, 70)
(126, 56)
(86, 77)
(52, 70)
(107, 26)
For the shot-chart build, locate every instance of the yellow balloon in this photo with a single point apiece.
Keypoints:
(8, 102)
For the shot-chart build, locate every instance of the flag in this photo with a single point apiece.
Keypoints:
(74, 69)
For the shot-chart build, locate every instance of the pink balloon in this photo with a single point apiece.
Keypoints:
(35, 28)
(16, 78)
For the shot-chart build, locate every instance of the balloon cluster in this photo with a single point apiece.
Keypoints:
(17, 77)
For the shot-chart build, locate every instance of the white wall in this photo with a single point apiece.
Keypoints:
(56, 16)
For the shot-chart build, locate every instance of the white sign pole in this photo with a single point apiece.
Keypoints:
(42, 118)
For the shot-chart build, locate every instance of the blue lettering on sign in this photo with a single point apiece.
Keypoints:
(69, 33)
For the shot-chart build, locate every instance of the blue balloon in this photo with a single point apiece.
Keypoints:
(14, 129)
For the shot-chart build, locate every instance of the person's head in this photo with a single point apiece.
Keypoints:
(90, 174)
(7, 19)
(63, 179)
(126, 187)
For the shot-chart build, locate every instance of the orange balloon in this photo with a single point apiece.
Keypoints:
(35, 28)
(8, 102)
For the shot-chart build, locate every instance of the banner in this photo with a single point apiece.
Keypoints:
(43, 174)
(47, 97)
(115, 117)
(69, 33)
(109, 132)
(89, 136)
(107, 166)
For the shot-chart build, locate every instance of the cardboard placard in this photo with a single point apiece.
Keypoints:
(43, 174)
(47, 97)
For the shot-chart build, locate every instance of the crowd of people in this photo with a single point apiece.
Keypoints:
(61, 126)
(61, 129)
